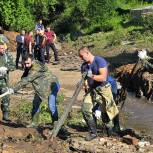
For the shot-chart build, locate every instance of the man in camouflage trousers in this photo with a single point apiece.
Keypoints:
(98, 91)
(45, 84)
(6, 65)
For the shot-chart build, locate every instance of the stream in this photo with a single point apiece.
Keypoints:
(137, 114)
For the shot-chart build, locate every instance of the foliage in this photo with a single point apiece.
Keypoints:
(77, 17)
(24, 110)
(116, 37)
(60, 98)
(15, 15)
(148, 22)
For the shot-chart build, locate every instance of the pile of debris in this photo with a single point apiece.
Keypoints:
(137, 77)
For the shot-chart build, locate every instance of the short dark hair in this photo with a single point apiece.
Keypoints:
(26, 56)
(83, 47)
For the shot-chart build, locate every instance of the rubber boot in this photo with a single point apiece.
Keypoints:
(110, 129)
(6, 117)
(35, 120)
(116, 127)
(93, 129)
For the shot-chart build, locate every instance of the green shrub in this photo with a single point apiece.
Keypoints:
(148, 22)
(116, 37)
(23, 113)
(135, 35)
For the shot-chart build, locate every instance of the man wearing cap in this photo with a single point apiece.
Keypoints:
(39, 25)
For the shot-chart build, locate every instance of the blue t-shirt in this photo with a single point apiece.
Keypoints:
(39, 26)
(99, 62)
(113, 83)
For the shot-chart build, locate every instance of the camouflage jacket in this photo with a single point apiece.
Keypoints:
(43, 81)
(6, 60)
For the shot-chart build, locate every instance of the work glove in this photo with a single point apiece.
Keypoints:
(3, 70)
(119, 86)
(89, 73)
(10, 90)
(98, 114)
(142, 54)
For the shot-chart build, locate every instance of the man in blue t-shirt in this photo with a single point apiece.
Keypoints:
(98, 91)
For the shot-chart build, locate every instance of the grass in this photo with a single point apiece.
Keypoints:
(134, 4)
(23, 111)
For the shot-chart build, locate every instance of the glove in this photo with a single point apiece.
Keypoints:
(118, 85)
(89, 73)
(98, 114)
(10, 90)
(3, 70)
(142, 54)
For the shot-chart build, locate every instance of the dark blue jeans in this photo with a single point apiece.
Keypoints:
(53, 100)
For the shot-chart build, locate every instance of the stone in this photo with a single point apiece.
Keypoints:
(130, 140)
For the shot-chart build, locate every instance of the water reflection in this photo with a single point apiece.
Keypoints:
(137, 114)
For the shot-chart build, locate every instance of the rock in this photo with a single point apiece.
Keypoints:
(143, 143)
(130, 140)
(102, 145)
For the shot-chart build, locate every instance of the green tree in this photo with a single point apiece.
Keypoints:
(100, 12)
(23, 17)
(7, 9)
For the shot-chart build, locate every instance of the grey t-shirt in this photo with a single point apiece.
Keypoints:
(4, 38)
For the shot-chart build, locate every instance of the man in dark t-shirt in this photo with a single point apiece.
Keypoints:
(98, 91)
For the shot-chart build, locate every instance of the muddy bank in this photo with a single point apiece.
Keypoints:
(69, 140)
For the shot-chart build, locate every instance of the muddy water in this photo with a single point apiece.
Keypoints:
(138, 114)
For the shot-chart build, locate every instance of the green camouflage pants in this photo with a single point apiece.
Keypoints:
(102, 96)
(5, 100)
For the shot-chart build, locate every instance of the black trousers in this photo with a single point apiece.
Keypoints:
(19, 54)
(55, 50)
(41, 55)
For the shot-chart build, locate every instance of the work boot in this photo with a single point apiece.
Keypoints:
(93, 129)
(112, 132)
(110, 128)
(56, 62)
(35, 120)
(5, 117)
(116, 127)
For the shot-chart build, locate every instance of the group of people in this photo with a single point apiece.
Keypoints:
(100, 89)
(45, 84)
(38, 45)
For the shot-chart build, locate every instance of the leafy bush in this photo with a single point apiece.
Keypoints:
(148, 22)
(116, 37)
(76, 17)
(15, 15)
